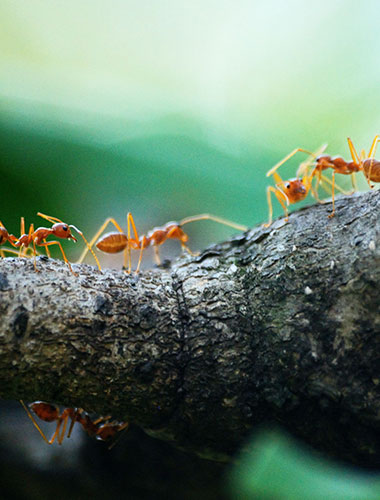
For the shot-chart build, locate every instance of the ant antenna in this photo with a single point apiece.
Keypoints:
(214, 218)
(88, 246)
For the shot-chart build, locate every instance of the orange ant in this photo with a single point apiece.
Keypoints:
(293, 190)
(50, 413)
(38, 238)
(367, 164)
(6, 237)
(116, 242)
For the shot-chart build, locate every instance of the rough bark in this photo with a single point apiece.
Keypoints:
(277, 325)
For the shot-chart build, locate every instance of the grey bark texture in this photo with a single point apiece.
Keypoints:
(278, 325)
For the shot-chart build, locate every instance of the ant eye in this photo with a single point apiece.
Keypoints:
(65, 228)
(287, 185)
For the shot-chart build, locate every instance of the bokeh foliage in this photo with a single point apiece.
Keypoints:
(274, 466)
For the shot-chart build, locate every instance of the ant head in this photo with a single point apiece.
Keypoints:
(62, 230)
(45, 411)
(323, 162)
(107, 431)
(295, 189)
(3, 234)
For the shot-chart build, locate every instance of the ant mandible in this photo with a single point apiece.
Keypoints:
(50, 413)
(367, 164)
(60, 229)
(293, 190)
(116, 242)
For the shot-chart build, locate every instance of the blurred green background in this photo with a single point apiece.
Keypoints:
(171, 108)
(168, 109)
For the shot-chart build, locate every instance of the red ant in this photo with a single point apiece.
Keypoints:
(293, 190)
(38, 238)
(367, 164)
(116, 242)
(50, 413)
(6, 237)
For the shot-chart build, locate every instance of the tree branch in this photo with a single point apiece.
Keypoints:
(276, 325)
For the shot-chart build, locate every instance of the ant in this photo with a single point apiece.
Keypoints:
(293, 190)
(6, 237)
(367, 164)
(50, 413)
(116, 242)
(38, 238)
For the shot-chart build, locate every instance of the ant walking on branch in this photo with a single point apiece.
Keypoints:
(6, 237)
(116, 242)
(10, 238)
(363, 163)
(101, 428)
(60, 230)
(294, 190)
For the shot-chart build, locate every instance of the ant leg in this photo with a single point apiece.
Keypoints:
(184, 247)
(354, 154)
(71, 427)
(49, 243)
(332, 195)
(354, 183)
(327, 181)
(34, 257)
(101, 419)
(375, 142)
(110, 220)
(10, 250)
(22, 231)
(279, 196)
(51, 219)
(314, 190)
(270, 190)
(287, 157)
(157, 255)
(87, 245)
(34, 422)
(52, 439)
(213, 218)
(46, 249)
(127, 252)
(140, 258)
(303, 169)
(64, 419)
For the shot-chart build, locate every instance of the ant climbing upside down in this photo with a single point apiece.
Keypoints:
(102, 428)
(116, 242)
(38, 238)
